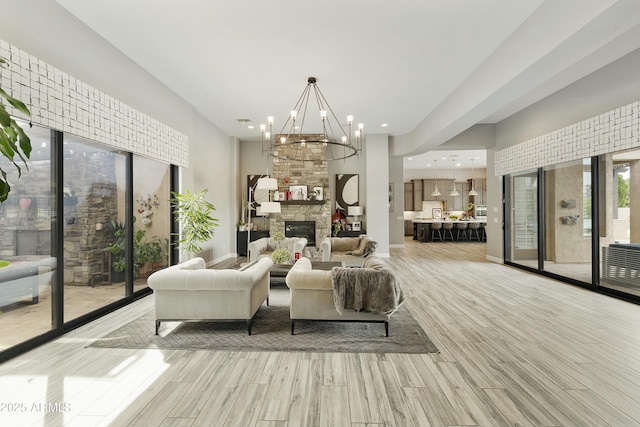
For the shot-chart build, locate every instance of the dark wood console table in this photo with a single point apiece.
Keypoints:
(241, 239)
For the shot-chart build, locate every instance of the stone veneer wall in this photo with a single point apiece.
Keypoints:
(313, 171)
(92, 179)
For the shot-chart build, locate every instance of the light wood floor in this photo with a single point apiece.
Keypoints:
(516, 349)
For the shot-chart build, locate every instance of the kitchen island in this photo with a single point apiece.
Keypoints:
(422, 227)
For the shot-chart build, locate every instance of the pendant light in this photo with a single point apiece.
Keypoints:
(473, 191)
(435, 192)
(454, 192)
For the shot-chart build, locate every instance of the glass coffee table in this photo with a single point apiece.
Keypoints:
(279, 271)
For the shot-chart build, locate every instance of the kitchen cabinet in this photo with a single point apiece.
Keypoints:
(481, 188)
(455, 203)
(408, 196)
(417, 194)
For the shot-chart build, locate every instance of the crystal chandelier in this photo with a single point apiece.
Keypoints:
(294, 142)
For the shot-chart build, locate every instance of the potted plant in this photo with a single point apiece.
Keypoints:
(278, 237)
(281, 256)
(193, 213)
(242, 226)
(145, 253)
(116, 235)
(12, 139)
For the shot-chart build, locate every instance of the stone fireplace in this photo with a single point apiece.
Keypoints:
(306, 229)
(313, 171)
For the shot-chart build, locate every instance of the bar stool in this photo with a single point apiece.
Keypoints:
(436, 226)
(483, 232)
(473, 230)
(447, 227)
(461, 227)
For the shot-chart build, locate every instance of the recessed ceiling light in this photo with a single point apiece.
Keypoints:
(384, 125)
(250, 126)
(409, 158)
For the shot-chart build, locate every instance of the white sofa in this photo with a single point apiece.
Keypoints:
(265, 246)
(23, 279)
(312, 294)
(189, 291)
(351, 251)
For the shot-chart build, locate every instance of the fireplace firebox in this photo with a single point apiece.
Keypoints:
(306, 229)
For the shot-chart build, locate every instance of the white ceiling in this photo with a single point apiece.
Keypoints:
(429, 69)
(447, 159)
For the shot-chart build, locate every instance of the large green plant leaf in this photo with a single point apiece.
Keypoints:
(193, 213)
(13, 140)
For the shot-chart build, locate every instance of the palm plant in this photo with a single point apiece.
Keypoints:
(193, 213)
(13, 140)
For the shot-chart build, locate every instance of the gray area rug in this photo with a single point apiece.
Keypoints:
(271, 331)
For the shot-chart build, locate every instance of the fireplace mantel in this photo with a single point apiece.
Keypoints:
(302, 202)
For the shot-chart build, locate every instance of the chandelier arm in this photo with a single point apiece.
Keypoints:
(304, 114)
(320, 108)
(295, 107)
(333, 114)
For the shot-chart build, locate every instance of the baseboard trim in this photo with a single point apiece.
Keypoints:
(495, 259)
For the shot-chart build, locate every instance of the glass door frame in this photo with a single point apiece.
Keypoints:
(595, 235)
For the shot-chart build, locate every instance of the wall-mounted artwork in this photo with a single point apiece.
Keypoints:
(346, 190)
(298, 192)
(257, 196)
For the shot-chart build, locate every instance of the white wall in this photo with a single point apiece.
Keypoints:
(396, 213)
(47, 31)
(610, 87)
(613, 86)
(211, 167)
(376, 158)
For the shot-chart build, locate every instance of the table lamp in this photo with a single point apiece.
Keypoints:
(355, 211)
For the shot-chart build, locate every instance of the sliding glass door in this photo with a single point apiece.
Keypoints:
(27, 258)
(94, 183)
(568, 220)
(524, 219)
(619, 226)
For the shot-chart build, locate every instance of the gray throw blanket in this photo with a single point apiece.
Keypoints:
(366, 289)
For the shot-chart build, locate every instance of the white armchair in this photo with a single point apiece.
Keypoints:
(349, 250)
(264, 247)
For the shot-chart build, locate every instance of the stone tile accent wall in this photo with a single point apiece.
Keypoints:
(608, 132)
(62, 102)
(312, 171)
